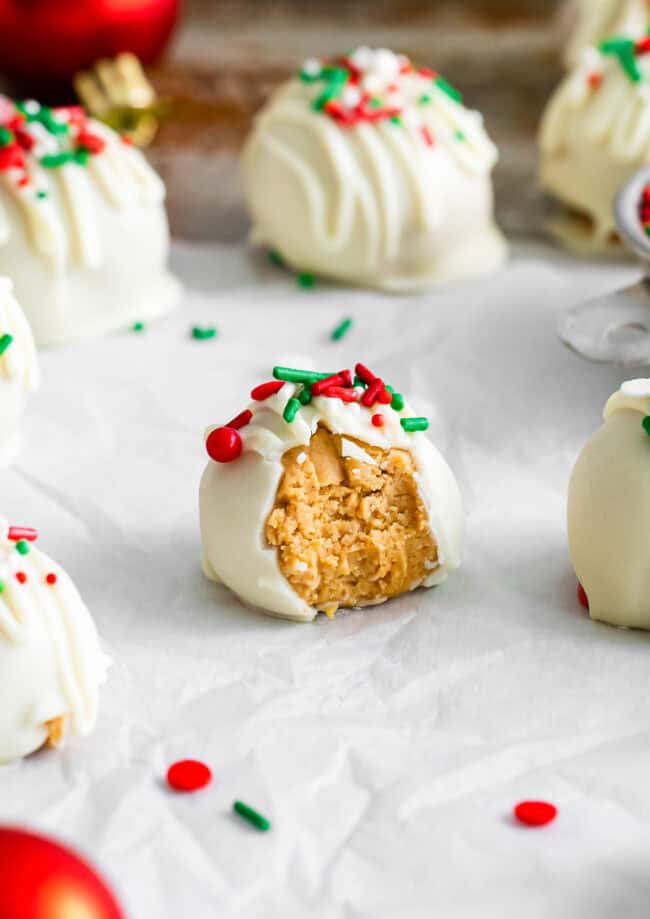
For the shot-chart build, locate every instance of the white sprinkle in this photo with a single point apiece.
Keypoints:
(636, 388)
(300, 566)
(429, 565)
(311, 67)
(351, 96)
(362, 57)
(32, 107)
(300, 459)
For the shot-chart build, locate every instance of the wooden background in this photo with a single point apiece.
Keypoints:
(504, 55)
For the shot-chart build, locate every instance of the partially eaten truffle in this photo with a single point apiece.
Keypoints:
(326, 493)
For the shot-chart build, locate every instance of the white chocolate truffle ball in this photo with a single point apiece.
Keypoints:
(51, 664)
(370, 171)
(594, 20)
(595, 132)
(609, 509)
(83, 229)
(338, 506)
(19, 374)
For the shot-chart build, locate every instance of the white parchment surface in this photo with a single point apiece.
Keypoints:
(387, 746)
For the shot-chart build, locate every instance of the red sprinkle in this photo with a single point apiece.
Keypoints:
(371, 394)
(364, 374)
(320, 386)
(535, 813)
(11, 156)
(241, 420)
(91, 142)
(266, 390)
(595, 80)
(643, 45)
(188, 775)
(21, 577)
(50, 578)
(223, 445)
(582, 597)
(428, 136)
(18, 533)
(378, 420)
(346, 376)
(339, 392)
(384, 397)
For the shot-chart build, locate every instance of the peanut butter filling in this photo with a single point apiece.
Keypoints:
(350, 530)
(55, 730)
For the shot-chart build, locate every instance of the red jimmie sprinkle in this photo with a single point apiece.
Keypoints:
(223, 445)
(266, 390)
(241, 420)
(320, 386)
(582, 597)
(21, 577)
(535, 813)
(91, 142)
(18, 533)
(643, 45)
(384, 397)
(364, 374)
(378, 420)
(50, 579)
(339, 392)
(427, 135)
(346, 376)
(371, 395)
(188, 775)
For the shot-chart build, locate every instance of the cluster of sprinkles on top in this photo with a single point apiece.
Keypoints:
(51, 137)
(22, 537)
(370, 86)
(627, 51)
(224, 444)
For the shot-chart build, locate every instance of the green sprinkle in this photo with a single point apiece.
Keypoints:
(358, 381)
(2, 586)
(341, 330)
(645, 424)
(138, 327)
(306, 280)
(291, 409)
(414, 424)
(624, 50)
(305, 396)
(307, 77)
(257, 820)
(375, 102)
(22, 546)
(460, 135)
(55, 160)
(201, 334)
(397, 402)
(424, 99)
(81, 156)
(291, 375)
(6, 137)
(334, 74)
(275, 258)
(5, 341)
(389, 388)
(647, 229)
(41, 195)
(447, 88)
(395, 119)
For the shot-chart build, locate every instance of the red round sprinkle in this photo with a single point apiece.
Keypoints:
(223, 445)
(188, 775)
(582, 596)
(594, 80)
(378, 420)
(21, 577)
(535, 813)
(265, 390)
(50, 578)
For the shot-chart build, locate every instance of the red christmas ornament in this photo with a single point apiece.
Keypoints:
(582, 597)
(43, 880)
(43, 42)
(223, 445)
(535, 813)
(188, 775)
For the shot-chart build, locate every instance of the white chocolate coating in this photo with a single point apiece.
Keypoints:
(237, 497)
(609, 510)
(19, 373)
(595, 134)
(51, 664)
(374, 203)
(596, 19)
(91, 256)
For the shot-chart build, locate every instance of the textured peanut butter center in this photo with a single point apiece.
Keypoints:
(350, 530)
